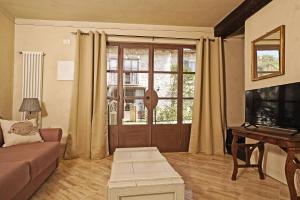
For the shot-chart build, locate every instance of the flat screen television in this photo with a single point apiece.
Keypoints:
(277, 106)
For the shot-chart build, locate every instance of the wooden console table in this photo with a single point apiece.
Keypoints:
(284, 139)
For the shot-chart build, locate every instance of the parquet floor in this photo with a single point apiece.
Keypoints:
(206, 178)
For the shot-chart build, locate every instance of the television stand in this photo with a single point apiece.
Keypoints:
(296, 133)
(249, 125)
(282, 138)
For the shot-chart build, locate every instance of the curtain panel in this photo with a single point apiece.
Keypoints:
(88, 129)
(208, 122)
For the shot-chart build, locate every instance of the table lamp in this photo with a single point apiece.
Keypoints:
(30, 105)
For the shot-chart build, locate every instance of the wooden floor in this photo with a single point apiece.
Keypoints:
(206, 178)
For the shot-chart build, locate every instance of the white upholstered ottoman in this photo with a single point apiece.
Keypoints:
(143, 174)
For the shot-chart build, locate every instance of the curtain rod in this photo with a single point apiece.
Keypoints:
(151, 37)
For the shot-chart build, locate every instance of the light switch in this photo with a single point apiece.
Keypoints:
(66, 41)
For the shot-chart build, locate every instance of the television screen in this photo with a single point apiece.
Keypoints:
(277, 106)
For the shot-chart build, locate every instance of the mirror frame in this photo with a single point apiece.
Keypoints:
(255, 77)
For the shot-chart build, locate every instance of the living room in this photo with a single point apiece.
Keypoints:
(149, 99)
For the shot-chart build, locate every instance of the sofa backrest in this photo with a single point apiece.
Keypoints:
(1, 138)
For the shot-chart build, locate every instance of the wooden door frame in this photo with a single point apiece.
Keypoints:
(114, 139)
(121, 126)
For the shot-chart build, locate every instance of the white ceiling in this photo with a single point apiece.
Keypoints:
(203, 13)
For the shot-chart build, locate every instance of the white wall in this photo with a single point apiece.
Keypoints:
(276, 13)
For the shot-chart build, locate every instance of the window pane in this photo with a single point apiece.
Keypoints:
(188, 85)
(112, 83)
(187, 111)
(113, 112)
(166, 85)
(136, 59)
(165, 112)
(135, 84)
(165, 60)
(189, 60)
(112, 58)
(135, 112)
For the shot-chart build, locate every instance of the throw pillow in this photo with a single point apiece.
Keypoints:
(19, 132)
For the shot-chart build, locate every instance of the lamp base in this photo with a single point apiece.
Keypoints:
(28, 116)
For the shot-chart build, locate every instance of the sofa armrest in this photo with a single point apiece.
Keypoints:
(51, 134)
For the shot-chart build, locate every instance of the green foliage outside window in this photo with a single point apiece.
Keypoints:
(167, 112)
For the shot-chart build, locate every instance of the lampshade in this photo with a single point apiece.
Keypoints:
(30, 105)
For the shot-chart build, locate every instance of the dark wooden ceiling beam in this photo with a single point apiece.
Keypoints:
(236, 19)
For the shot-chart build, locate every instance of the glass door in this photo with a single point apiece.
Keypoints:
(150, 95)
(166, 133)
(128, 95)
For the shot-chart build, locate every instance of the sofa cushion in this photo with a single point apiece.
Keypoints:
(39, 155)
(13, 178)
(19, 132)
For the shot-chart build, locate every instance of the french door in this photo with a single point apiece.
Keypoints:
(150, 95)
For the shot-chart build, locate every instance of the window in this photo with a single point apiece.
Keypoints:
(166, 85)
(135, 83)
(189, 67)
(164, 70)
(112, 64)
(112, 84)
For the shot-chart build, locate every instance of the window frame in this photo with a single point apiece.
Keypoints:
(180, 73)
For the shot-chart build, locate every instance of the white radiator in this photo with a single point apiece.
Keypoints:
(32, 84)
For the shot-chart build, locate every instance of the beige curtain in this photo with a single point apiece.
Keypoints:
(88, 120)
(208, 124)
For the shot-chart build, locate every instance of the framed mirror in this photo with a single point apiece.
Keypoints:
(268, 54)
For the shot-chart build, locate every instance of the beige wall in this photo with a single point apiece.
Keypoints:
(278, 12)
(6, 65)
(48, 36)
(234, 65)
(56, 94)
